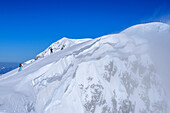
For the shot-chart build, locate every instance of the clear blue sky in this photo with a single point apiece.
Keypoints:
(27, 27)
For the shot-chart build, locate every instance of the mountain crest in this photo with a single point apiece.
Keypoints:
(110, 74)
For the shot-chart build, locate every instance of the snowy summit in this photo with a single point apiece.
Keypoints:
(110, 74)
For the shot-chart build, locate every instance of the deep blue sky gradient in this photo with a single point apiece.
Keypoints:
(27, 27)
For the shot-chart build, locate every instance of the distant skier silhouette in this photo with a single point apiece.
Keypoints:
(62, 47)
(20, 67)
(51, 50)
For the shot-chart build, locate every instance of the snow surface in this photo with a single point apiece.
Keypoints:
(110, 74)
(60, 45)
(29, 61)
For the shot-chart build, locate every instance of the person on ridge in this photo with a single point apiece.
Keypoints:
(51, 50)
(20, 67)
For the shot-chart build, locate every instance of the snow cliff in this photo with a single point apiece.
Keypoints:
(110, 74)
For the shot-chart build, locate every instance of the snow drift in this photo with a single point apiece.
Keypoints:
(110, 74)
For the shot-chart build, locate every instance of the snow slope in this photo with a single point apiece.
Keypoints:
(109, 74)
(60, 45)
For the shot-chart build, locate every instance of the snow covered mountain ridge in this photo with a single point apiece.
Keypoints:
(110, 74)
(60, 45)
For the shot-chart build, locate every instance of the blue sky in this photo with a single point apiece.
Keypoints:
(27, 27)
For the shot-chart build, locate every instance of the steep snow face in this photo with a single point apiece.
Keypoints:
(109, 74)
(157, 36)
(60, 45)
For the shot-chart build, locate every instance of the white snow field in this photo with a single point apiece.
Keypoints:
(110, 74)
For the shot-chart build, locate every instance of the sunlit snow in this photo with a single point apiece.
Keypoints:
(116, 73)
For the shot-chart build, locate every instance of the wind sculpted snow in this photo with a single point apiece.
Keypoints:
(110, 74)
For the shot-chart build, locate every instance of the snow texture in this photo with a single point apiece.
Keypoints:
(110, 74)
